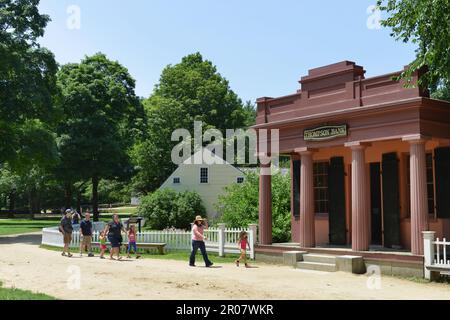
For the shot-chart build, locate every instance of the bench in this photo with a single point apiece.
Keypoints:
(437, 270)
(145, 246)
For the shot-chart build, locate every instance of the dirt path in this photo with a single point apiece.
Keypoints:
(24, 265)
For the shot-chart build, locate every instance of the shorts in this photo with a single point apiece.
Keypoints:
(67, 238)
(115, 242)
(86, 241)
(103, 247)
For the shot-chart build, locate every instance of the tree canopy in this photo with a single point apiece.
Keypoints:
(27, 83)
(426, 24)
(189, 91)
(98, 103)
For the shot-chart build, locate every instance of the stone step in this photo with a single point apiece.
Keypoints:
(322, 258)
(317, 266)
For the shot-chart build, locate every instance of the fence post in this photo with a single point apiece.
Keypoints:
(221, 238)
(252, 240)
(254, 228)
(428, 250)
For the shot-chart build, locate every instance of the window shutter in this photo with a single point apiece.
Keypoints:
(442, 165)
(296, 189)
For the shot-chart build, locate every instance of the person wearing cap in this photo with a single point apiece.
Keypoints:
(66, 228)
(198, 241)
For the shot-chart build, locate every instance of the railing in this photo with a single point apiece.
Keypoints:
(221, 240)
(435, 254)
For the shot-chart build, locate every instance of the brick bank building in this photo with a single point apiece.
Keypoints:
(370, 165)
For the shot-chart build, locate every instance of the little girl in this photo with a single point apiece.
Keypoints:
(243, 244)
(132, 242)
(102, 244)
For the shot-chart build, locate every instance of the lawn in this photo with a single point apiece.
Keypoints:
(17, 226)
(171, 255)
(18, 294)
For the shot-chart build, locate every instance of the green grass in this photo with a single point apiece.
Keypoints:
(17, 226)
(18, 294)
(120, 211)
(171, 255)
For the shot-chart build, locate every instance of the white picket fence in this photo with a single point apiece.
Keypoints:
(435, 254)
(221, 240)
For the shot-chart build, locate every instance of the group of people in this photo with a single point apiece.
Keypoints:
(113, 233)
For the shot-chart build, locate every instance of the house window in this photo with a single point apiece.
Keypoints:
(176, 180)
(240, 180)
(203, 175)
(320, 176)
(430, 183)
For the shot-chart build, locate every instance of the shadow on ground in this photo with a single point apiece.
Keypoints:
(34, 239)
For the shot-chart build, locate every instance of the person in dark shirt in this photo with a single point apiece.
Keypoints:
(86, 235)
(114, 231)
(75, 218)
(65, 227)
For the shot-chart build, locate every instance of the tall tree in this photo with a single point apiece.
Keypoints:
(27, 82)
(189, 91)
(426, 24)
(99, 103)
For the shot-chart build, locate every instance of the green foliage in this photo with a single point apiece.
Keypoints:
(239, 205)
(426, 24)
(442, 92)
(99, 104)
(189, 91)
(27, 83)
(166, 208)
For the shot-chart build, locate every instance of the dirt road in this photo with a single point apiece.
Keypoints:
(24, 265)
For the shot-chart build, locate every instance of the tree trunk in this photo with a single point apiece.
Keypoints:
(79, 201)
(12, 204)
(67, 195)
(95, 181)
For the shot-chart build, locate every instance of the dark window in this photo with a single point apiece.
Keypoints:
(321, 187)
(176, 180)
(430, 183)
(240, 179)
(203, 175)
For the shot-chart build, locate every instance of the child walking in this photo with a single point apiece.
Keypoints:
(102, 244)
(243, 244)
(132, 242)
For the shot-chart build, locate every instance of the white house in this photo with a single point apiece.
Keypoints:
(208, 180)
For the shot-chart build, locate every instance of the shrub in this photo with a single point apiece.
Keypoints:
(239, 205)
(166, 209)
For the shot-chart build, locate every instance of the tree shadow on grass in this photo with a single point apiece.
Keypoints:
(33, 239)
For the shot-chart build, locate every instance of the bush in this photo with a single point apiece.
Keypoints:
(166, 208)
(239, 205)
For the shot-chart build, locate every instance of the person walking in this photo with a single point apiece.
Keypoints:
(65, 227)
(243, 245)
(76, 218)
(198, 241)
(114, 231)
(86, 235)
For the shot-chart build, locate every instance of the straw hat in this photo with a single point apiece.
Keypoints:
(198, 218)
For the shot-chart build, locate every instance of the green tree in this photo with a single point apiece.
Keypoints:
(442, 92)
(167, 208)
(189, 91)
(238, 207)
(99, 104)
(426, 24)
(27, 83)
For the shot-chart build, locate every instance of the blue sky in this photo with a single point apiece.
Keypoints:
(262, 47)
